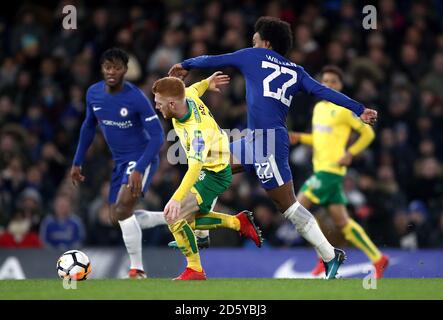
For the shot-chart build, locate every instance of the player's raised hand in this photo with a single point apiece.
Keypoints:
(135, 183)
(369, 116)
(216, 80)
(172, 211)
(76, 175)
(294, 137)
(178, 71)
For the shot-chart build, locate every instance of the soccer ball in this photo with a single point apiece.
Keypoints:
(73, 265)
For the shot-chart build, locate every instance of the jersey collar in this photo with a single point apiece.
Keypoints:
(188, 114)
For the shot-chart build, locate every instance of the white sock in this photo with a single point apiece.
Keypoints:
(201, 233)
(149, 219)
(307, 226)
(132, 236)
(318, 253)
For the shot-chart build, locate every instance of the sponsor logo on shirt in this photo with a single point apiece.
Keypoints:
(123, 112)
(322, 128)
(198, 144)
(120, 124)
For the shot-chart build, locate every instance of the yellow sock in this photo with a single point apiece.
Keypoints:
(355, 234)
(187, 243)
(213, 220)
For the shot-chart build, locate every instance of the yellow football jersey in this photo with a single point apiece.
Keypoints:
(331, 127)
(201, 137)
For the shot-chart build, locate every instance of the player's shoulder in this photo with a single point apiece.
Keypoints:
(190, 92)
(132, 89)
(251, 53)
(250, 50)
(96, 88)
(130, 86)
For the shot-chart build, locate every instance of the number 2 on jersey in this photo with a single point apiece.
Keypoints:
(281, 92)
(131, 166)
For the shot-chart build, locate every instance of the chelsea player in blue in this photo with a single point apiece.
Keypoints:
(134, 135)
(271, 83)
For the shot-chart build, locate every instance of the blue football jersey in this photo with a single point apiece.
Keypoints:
(271, 84)
(128, 121)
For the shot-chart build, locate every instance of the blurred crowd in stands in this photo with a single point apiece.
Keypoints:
(395, 187)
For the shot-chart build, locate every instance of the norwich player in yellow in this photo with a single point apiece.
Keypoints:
(209, 173)
(331, 127)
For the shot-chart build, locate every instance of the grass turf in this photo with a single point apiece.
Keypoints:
(272, 289)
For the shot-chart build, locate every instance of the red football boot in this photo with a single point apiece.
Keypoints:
(136, 274)
(380, 266)
(248, 228)
(319, 268)
(191, 274)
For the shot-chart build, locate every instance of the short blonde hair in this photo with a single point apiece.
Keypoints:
(169, 87)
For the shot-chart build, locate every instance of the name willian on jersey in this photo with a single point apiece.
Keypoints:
(283, 63)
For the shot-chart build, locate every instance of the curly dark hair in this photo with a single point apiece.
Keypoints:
(277, 32)
(114, 54)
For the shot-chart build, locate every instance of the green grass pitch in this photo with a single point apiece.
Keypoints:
(232, 289)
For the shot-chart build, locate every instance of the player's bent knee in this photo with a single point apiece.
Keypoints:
(122, 211)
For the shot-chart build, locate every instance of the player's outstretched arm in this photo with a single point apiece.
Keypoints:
(236, 59)
(312, 86)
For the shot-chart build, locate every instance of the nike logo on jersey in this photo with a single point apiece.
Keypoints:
(96, 108)
(151, 118)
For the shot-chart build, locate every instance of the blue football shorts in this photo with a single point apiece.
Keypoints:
(120, 176)
(266, 154)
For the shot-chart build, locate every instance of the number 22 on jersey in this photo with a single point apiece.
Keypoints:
(281, 92)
